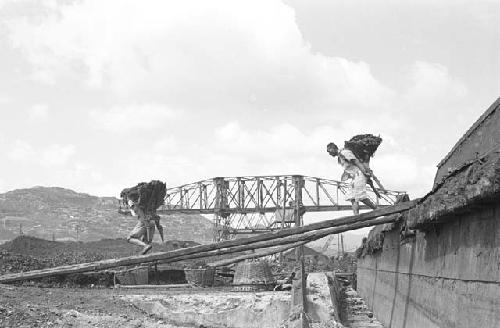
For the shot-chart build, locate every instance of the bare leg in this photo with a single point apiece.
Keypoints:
(138, 242)
(355, 207)
(368, 202)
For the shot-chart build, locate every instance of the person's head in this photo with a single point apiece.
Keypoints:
(132, 200)
(131, 203)
(132, 206)
(133, 196)
(332, 149)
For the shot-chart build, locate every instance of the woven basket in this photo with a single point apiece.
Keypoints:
(253, 276)
(200, 277)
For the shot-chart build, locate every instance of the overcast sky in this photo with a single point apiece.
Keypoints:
(99, 95)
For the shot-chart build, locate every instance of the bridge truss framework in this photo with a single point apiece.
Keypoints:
(255, 204)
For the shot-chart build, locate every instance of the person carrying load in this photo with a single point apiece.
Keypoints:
(355, 159)
(143, 200)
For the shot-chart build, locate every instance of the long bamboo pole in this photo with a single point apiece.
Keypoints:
(281, 237)
(257, 254)
(173, 256)
(304, 237)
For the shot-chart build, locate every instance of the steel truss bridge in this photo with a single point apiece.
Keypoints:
(255, 204)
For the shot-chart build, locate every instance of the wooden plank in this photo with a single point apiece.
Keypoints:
(299, 297)
(281, 237)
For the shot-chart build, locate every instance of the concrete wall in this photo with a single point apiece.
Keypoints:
(446, 277)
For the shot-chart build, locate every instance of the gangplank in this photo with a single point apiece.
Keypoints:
(256, 204)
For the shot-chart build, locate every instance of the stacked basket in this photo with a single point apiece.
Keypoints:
(253, 276)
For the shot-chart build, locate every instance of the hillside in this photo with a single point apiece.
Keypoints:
(63, 214)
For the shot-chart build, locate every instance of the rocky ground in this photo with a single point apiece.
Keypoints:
(71, 307)
(30, 253)
(69, 301)
(82, 300)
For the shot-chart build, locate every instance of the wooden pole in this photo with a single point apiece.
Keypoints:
(283, 218)
(157, 276)
(338, 245)
(284, 205)
(306, 237)
(342, 243)
(286, 236)
(256, 254)
(173, 256)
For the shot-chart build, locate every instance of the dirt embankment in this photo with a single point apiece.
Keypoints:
(27, 253)
(73, 306)
(69, 307)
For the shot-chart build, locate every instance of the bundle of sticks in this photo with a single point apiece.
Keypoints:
(148, 195)
(363, 146)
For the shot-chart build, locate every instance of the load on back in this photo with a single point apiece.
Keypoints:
(363, 146)
(149, 196)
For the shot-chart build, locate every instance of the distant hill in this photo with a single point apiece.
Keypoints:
(63, 214)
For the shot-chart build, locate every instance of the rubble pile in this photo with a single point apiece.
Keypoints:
(11, 262)
(18, 263)
(26, 253)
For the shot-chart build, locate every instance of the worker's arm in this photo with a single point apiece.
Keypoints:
(369, 175)
(364, 169)
(349, 156)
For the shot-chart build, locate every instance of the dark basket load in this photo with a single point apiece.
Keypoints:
(149, 195)
(363, 146)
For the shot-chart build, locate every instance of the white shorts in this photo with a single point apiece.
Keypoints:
(356, 187)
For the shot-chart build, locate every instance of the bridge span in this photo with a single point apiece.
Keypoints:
(255, 204)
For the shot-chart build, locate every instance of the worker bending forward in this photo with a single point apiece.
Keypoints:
(355, 175)
(143, 232)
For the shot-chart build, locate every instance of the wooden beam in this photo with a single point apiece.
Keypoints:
(307, 237)
(310, 227)
(174, 256)
(299, 298)
(256, 254)
(286, 236)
